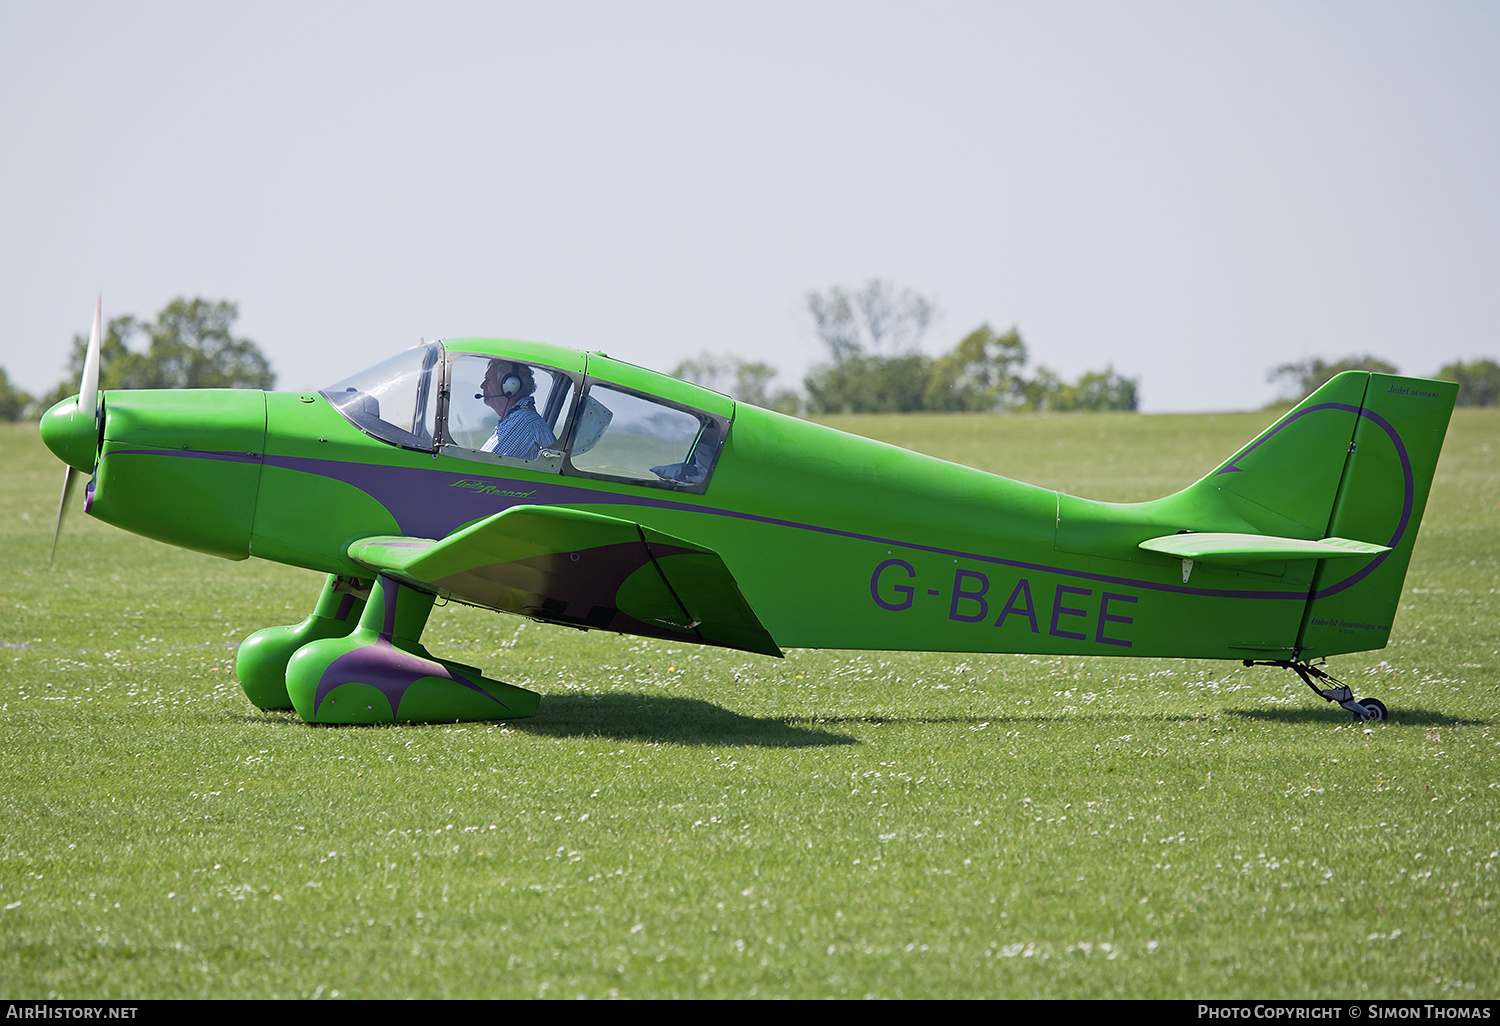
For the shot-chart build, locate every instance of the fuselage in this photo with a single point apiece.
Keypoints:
(835, 541)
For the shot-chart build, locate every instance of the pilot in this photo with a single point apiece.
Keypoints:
(522, 432)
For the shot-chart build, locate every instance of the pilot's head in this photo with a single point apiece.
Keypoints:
(505, 384)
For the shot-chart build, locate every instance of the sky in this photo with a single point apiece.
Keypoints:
(1191, 192)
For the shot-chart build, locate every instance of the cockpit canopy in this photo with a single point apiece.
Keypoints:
(491, 407)
(395, 400)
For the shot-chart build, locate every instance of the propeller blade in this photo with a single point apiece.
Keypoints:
(88, 405)
(69, 475)
(88, 388)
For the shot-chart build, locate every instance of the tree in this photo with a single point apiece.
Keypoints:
(1478, 382)
(1046, 391)
(119, 367)
(1094, 391)
(1105, 390)
(746, 382)
(15, 404)
(1308, 376)
(191, 345)
(708, 370)
(879, 318)
(870, 384)
(981, 374)
(872, 334)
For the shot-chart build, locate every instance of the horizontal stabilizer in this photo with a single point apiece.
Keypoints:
(1238, 549)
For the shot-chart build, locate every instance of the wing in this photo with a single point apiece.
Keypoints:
(581, 569)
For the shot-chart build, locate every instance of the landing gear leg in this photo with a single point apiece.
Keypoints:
(261, 662)
(381, 673)
(1363, 708)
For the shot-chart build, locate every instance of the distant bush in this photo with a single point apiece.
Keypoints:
(1478, 382)
(14, 403)
(1306, 377)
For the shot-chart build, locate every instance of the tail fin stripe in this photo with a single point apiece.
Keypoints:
(1230, 468)
(1406, 504)
(1406, 473)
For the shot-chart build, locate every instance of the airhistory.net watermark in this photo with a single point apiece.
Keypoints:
(57, 1010)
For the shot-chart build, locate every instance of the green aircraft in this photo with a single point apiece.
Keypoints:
(576, 489)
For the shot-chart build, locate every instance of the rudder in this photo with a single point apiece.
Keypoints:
(1398, 433)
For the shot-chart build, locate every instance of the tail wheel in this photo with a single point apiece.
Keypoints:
(1339, 693)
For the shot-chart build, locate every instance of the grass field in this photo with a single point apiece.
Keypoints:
(689, 822)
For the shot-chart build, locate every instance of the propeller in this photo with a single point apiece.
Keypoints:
(86, 412)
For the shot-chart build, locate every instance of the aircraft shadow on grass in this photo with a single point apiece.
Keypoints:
(653, 718)
(694, 722)
(1413, 717)
(676, 721)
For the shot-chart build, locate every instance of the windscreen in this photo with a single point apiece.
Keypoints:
(396, 400)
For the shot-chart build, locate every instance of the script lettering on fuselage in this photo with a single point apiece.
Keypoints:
(1073, 612)
(486, 488)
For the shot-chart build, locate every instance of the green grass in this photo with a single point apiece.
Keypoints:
(690, 822)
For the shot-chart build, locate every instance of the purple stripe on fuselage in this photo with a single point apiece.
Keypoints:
(410, 494)
(424, 504)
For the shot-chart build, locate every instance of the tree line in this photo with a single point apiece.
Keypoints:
(871, 336)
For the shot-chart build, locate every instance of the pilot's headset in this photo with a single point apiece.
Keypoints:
(512, 385)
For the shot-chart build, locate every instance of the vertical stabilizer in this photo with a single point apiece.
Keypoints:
(1285, 482)
(1398, 434)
